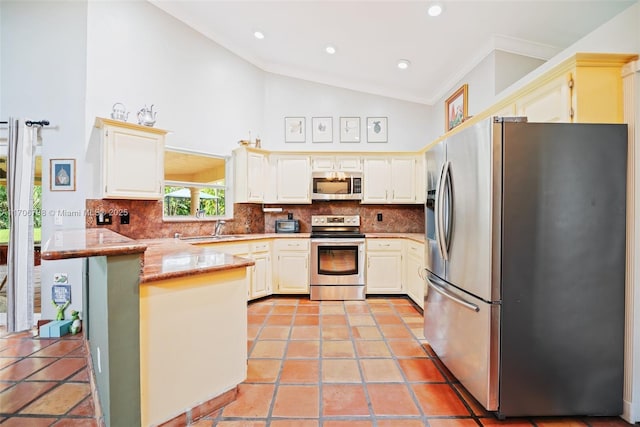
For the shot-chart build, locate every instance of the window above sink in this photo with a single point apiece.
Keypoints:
(195, 186)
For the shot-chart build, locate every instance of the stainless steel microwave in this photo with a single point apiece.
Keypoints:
(334, 185)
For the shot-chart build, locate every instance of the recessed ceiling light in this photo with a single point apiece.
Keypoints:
(330, 49)
(258, 34)
(403, 64)
(434, 9)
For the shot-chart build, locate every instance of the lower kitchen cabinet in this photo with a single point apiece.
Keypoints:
(260, 277)
(291, 266)
(262, 273)
(414, 272)
(384, 266)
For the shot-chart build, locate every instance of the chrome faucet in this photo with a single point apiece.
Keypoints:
(218, 229)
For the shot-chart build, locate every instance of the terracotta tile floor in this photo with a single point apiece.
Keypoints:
(44, 382)
(352, 364)
(311, 364)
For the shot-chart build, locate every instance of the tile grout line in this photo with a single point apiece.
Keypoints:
(276, 387)
(361, 369)
(407, 384)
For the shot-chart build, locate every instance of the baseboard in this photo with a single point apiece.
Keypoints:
(203, 409)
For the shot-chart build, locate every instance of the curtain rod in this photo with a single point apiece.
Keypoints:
(32, 123)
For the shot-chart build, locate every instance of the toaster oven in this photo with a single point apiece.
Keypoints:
(287, 226)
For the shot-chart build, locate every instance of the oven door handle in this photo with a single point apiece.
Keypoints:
(337, 242)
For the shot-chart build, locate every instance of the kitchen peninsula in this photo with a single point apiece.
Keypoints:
(147, 304)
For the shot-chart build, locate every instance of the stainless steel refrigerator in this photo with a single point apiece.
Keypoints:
(525, 250)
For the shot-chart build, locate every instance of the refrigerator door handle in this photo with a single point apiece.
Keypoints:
(439, 213)
(447, 227)
(436, 283)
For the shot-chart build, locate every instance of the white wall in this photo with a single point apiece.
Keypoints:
(407, 122)
(43, 77)
(487, 81)
(138, 55)
(481, 87)
(618, 35)
(511, 67)
(209, 97)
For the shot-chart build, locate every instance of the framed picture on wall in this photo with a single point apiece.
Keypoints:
(455, 108)
(62, 174)
(321, 129)
(349, 129)
(376, 129)
(294, 129)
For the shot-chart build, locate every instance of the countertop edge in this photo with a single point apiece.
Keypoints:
(85, 253)
(156, 277)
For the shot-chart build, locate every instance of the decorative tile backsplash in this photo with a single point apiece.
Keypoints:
(146, 222)
(395, 218)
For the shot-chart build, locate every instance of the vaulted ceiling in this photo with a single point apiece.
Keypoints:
(370, 37)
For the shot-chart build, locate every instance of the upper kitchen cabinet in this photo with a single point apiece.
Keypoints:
(586, 88)
(293, 178)
(550, 102)
(336, 163)
(251, 175)
(391, 180)
(132, 163)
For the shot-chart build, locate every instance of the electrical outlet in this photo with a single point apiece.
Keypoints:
(103, 218)
(379, 217)
(124, 218)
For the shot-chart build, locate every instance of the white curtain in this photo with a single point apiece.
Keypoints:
(20, 170)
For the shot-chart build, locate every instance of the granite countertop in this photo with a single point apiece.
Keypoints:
(171, 258)
(162, 258)
(168, 257)
(201, 240)
(82, 243)
(417, 237)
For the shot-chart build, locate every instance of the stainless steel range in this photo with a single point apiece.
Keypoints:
(337, 258)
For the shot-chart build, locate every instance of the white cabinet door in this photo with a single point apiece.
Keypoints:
(550, 102)
(414, 272)
(403, 180)
(376, 177)
(132, 161)
(292, 266)
(336, 163)
(384, 266)
(323, 163)
(293, 179)
(256, 176)
(390, 180)
(261, 280)
(348, 164)
(251, 176)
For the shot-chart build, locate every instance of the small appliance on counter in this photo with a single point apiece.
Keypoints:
(287, 226)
